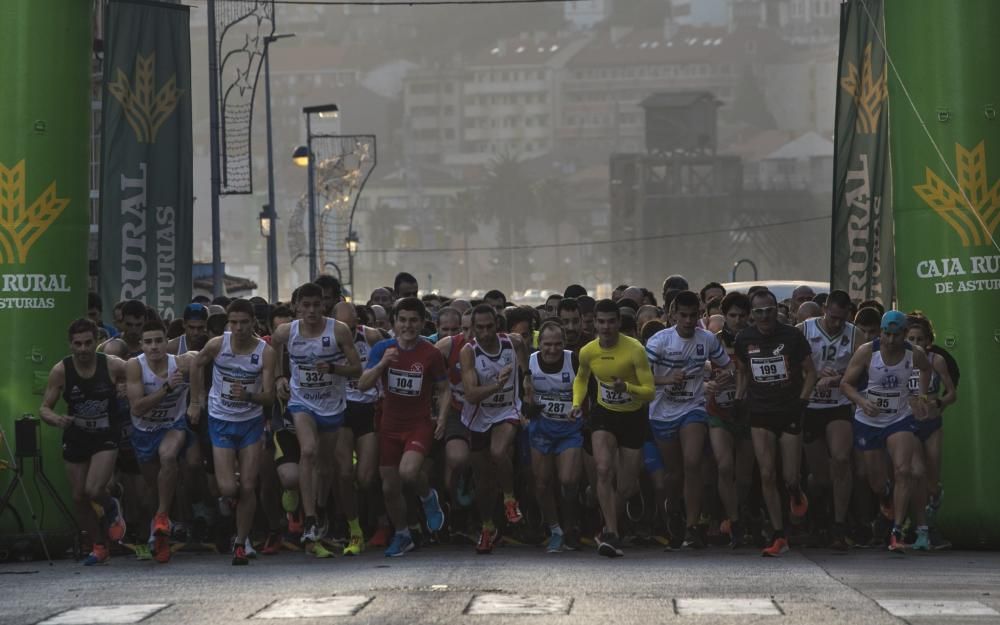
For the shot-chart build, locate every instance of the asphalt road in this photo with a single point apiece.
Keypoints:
(449, 584)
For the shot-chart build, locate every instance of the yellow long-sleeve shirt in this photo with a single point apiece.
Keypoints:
(626, 361)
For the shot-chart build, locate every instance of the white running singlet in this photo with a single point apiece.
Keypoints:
(888, 389)
(832, 352)
(229, 369)
(505, 404)
(171, 408)
(353, 394)
(553, 391)
(322, 393)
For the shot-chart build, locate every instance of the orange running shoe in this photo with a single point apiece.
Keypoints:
(381, 537)
(161, 549)
(161, 525)
(295, 522)
(778, 546)
(99, 555)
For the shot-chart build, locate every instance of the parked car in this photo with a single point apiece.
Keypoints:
(782, 289)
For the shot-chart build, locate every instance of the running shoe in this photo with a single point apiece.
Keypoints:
(272, 544)
(798, 504)
(692, 539)
(98, 556)
(434, 514)
(896, 541)
(318, 550)
(323, 529)
(240, 557)
(116, 522)
(487, 538)
(777, 547)
(355, 546)
(249, 550)
(735, 532)
(311, 535)
(923, 541)
(142, 552)
(609, 545)
(401, 543)
(513, 511)
(161, 549)
(381, 537)
(557, 543)
(161, 525)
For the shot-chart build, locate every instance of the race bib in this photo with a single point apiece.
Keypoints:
(682, 392)
(555, 407)
(309, 377)
(612, 397)
(92, 423)
(726, 398)
(405, 383)
(769, 369)
(502, 399)
(887, 402)
(825, 396)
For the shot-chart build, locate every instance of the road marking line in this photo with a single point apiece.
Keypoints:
(935, 607)
(728, 606)
(518, 604)
(315, 607)
(105, 614)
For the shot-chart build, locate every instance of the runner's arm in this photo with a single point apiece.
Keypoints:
(644, 390)
(582, 380)
(921, 361)
(204, 359)
(376, 367)
(137, 398)
(950, 395)
(859, 362)
(57, 379)
(266, 395)
(809, 381)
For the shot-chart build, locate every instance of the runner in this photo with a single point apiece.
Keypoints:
(157, 393)
(920, 332)
(358, 438)
(195, 331)
(410, 370)
(677, 413)
(332, 292)
(776, 376)
(129, 342)
(832, 341)
(405, 285)
(555, 431)
(571, 320)
(729, 430)
(322, 355)
(492, 366)
(456, 436)
(87, 382)
(885, 421)
(619, 417)
(242, 386)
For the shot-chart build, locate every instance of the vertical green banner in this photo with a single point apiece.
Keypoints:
(946, 179)
(862, 261)
(44, 138)
(146, 179)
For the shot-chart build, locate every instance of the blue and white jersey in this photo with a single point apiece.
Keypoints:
(231, 368)
(322, 393)
(888, 388)
(172, 408)
(668, 351)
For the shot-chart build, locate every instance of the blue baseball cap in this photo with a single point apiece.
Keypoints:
(893, 321)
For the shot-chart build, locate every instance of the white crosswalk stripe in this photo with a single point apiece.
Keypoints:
(113, 614)
(518, 604)
(725, 606)
(314, 607)
(934, 607)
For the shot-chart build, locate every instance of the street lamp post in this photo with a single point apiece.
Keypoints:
(323, 110)
(352, 248)
(270, 209)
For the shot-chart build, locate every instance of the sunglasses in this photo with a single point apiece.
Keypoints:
(761, 312)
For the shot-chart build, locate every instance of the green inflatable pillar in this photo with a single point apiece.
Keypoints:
(946, 203)
(44, 223)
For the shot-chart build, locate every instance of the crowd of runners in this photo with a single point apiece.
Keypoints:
(322, 426)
